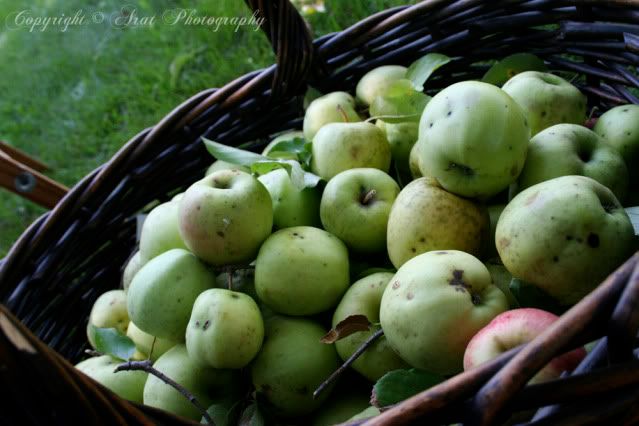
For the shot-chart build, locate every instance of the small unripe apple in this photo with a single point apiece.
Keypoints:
(147, 345)
(291, 206)
(160, 232)
(564, 235)
(108, 311)
(341, 146)
(513, 328)
(546, 99)
(619, 127)
(225, 330)
(126, 384)
(292, 364)
(364, 298)
(162, 293)
(401, 138)
(376, 82)
(474, 139)
(425, 217)
(225, 217)
(205, 383)
(355, 207)
(301, 271)
(335, 107)
(570, 149)
(132, 267)
(434, 305)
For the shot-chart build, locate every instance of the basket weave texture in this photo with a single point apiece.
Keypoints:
(71, 255)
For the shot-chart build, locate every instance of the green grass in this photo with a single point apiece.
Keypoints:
(73, 98)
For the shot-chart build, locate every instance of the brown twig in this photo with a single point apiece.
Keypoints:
(148, 367)
(348, 362)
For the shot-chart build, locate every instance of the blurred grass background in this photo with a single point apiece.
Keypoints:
(73, 98)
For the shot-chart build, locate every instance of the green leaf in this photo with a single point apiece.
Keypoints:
(260, 164)
(231, 154)
(293, 149)
(530, 296)
(398, 385)
(420, 70)
(400, 99)
(511, 65)
(252, 416)
(394, 119)
(111, 341)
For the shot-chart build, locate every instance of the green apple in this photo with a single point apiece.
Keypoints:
(126, 384)
(292, 364)
(160, 232)
(291, 207)
(225, 330)
(225, 165)
(546, 99)
(564, 235)
(414, 161)
(570, 149)
(619, 127)
(342, 146)
(490, 249)
(376, 82)
(205, 383)
(335, 107)
(475, 139)
(301, 271)
(355, 207)
(108, 311)
(434, 305)
(162, 294)
(225, 217)
(147, 345)
(283, 137)
(517, 327)
(402, 138)
(133, 265)
(425, 217)
(364, 298)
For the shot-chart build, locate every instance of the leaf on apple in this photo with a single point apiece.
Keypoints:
(399, 102)
(511, 65)
(420, 70)
(261, 164)
(110, 341)
(349, 325)
(530, 296)
(252, 416)
(293, 149)
(398, 385)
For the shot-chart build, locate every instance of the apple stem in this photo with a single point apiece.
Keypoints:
(231, 268)
(367, 343)
(152, 347)
(230, 280)
(343, 113)
(368, 196)
(148, 367)
(92, 352)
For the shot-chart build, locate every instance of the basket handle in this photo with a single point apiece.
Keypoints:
(292, 43)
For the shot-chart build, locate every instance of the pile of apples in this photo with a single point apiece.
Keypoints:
(416, 221)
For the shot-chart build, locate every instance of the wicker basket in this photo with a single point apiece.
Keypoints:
(48, 282)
